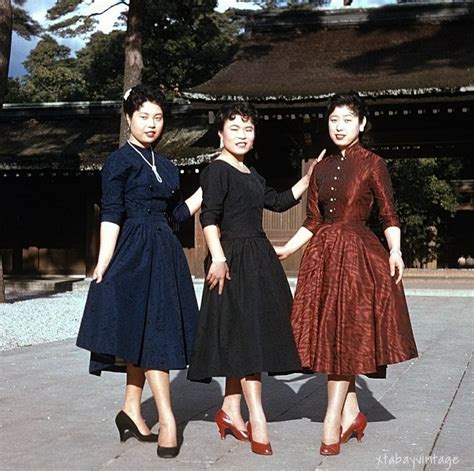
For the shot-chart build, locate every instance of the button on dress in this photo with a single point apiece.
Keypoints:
(246, 329)
(144, 311)
(349, 316)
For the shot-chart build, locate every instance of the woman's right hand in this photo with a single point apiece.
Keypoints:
(218, 273)
(99, 272)
(282, 252)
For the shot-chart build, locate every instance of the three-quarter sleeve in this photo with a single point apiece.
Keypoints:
(215, 184)
(274, 200)
(313, 214)
(114, 178)
(382, 188)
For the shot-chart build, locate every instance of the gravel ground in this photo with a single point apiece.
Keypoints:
(40, 319)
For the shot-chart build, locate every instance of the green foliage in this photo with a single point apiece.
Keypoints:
(101, 64)
(52, 76)
(185, 43)
(426, 202)
(77, 24)
(23, 24)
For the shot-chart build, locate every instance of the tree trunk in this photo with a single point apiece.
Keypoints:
(6, 24)
(133, 54)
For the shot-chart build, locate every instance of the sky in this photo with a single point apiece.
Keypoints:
(37, 9)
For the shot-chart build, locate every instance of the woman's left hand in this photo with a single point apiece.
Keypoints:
(218, 273)
(396, 266)
(309, 172)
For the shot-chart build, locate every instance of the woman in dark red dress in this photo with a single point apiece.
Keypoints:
(349, 314)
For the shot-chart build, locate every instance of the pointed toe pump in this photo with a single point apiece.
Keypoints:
(256, 447)
(225, 424)
(358, 426)
(167, 452)
(124, 422)
(332, 449)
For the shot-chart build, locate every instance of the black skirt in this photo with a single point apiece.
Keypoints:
(246, 330)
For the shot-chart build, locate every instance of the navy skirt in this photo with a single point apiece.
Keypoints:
(144, 311)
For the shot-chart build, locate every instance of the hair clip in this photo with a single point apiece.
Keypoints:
(127, 94)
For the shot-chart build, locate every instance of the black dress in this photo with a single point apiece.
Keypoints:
(247, 329)
(144, 311)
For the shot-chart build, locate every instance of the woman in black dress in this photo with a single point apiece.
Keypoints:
(244, 326)
(141, 311)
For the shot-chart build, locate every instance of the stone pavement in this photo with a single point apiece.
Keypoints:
(54, 416)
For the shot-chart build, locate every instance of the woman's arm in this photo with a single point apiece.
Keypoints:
(392, 234)
(301, 237)
(218, 271)
(109, 233)
(194, 201)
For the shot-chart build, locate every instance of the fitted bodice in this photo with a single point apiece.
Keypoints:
(234, 200)
(344, 188)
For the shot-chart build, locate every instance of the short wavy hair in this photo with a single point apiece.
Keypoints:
(239, 108)
(136, 96)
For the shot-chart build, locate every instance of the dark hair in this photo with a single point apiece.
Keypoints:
(136, 96)
(238, 108)
(352, 100)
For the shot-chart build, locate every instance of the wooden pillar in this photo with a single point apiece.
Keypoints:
(200, 248)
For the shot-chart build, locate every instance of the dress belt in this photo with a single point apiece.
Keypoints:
(152, 218)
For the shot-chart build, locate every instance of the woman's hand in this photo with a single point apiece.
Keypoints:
(218, 273)
(99, 272)
(396, 266)
(309, 172)
(282, 252)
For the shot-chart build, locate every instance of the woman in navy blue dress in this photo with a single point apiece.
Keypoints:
(141, 311)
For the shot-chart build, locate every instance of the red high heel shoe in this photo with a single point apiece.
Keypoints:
(332, 449)
(224, 423)
(358, 426)
(256, 447)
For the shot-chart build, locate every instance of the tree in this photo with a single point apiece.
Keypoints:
(101, 64)
(426, 202)
(12, 18)
(83, 24)
(186, 42)
(53, 75)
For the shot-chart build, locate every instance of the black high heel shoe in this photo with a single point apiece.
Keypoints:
(167, 452)
(124, 422)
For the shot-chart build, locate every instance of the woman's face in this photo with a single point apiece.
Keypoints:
(146, 124)
(238, 135)
(345, 126)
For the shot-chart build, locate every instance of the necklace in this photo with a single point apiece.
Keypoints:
(151, 165)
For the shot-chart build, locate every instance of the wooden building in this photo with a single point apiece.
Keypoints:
(413, 63)
(50, 160)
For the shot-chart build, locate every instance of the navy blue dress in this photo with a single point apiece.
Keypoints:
(144, 311)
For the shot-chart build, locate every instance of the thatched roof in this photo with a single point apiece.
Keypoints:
(80, 136)
(390, 51)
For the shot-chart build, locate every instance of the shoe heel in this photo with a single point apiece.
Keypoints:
(221, 429)
(360, 434)
(121, 434)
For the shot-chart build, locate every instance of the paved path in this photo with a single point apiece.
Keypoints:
(54, 416)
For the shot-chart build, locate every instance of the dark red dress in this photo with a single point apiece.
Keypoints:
(349, 316)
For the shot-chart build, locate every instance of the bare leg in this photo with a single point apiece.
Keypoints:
(159, 381)
(232, 399)
(252, 389)
(132, 405)
(338, 386)
(351, 406)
